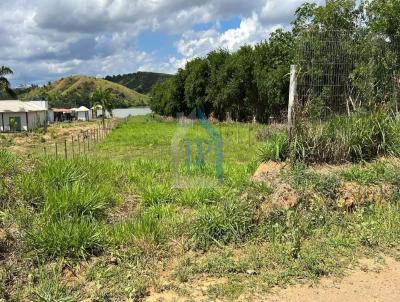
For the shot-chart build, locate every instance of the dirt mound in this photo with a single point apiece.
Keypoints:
(268, 171)
(284, 195)
(352, 193)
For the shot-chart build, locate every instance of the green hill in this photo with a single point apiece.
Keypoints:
(75, 91)
(139, 81)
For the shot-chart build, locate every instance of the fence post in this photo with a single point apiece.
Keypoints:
(292, 100)
(72, 145)
(237, 132)
(88, 141)
(56, 150)
(65, 150)
(45, 151)
(79, 144)
(249, 133)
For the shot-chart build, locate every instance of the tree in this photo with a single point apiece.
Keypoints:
(104, 98)
(241, 88)
(196, 83)
(217, 82)
(4, 83)
(272, 62)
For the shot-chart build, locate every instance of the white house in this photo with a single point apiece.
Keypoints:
(83, 114)
(22, 116)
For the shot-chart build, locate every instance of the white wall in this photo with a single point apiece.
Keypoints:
(35, 119)
(82, 116)
(6, 121)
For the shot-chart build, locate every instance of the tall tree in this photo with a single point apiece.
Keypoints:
(272, 61)
(196, 83)
(215, 90)
(4, 83)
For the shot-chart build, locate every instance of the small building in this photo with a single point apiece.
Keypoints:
(16, 115)
(61, 114)
(83, 114)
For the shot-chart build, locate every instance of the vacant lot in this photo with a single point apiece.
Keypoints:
(114, 226)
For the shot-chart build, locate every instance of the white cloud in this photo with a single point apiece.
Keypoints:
(42, 40)
(278, 11)
(250, 31)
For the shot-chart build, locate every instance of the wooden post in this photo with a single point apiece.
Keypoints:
(45, 151)
(249, 134)
(84, 144)
(88, 141)
(237, 132)
(65, 150)
(56, 150)
(79, 144)
(292, 100)
(72, 146)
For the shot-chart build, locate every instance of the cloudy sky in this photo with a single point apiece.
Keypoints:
(42, 40)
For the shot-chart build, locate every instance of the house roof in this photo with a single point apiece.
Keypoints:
(82, 109)
(61, 110)
(18, 106)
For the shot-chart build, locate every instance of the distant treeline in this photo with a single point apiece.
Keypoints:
(254, 80)
(141, 81)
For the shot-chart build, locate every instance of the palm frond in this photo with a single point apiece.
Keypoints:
(5, 71)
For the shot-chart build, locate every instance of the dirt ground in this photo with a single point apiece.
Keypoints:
(370, 282)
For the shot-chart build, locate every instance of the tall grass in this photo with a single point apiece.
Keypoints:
(69, 199)
(339, 139)
(362, 136)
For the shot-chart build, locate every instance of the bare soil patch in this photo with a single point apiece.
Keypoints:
(371, 282)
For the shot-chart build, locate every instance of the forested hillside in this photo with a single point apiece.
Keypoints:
(75, 91)
(140, 81)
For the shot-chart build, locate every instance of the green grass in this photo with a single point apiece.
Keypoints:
(362, 136)
(118, 220)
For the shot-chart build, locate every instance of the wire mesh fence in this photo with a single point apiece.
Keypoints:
(341, 71)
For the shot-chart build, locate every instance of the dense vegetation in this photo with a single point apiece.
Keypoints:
(76, 91)
(112, 230)
(253, 81)
(141, 81)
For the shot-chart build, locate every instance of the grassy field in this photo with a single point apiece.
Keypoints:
(112, 226)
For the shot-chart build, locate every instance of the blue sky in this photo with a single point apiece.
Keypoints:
(43, 40)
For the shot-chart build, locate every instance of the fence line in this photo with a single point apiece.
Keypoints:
(77, 144)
